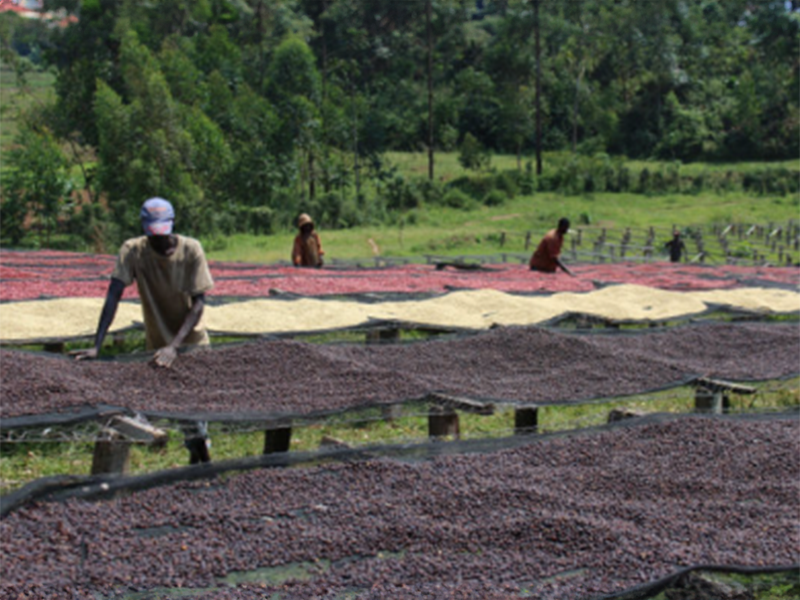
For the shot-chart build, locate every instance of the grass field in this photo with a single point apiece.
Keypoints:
(447, 231)
(479, 231)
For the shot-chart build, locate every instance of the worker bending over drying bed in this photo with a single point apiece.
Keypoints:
(172, 275)
(547, 255)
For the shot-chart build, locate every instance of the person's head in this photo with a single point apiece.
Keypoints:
(304, 223)
(158, 218)
(563, 225)
(676, 233)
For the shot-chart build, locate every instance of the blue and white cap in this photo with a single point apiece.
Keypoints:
(157, 216)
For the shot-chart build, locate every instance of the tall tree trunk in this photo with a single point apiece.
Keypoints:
(324, 53)
(326, 151)
(430, 92)
(262, 67)
(575, 108)
(538, 91)
(311, 177)
(356, 166)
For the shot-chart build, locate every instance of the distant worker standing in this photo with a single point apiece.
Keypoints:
(547, 255)
(676, 247)
(172, 275)
(307, 250)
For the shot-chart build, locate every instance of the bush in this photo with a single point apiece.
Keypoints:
(623, 178)
(331, 207)
(402, 194)
(658, 183)
(548, 181)
(259, 219)
(598, 173)
(495, 198)
(351, 215)
(12, 217)
(527, 183)
(431, 191)
(644, 181)
(476, 186)
(472, 155)
(506, 181)
(455, 198)
(752, 183)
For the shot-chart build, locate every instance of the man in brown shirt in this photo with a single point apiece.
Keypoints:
(307, 249)
(172, 275)
(547, 255)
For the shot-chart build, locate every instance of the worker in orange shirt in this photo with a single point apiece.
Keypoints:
(547, 255)
(307, 250)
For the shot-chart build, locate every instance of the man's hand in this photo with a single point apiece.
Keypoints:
(86, 354)
(165, 356)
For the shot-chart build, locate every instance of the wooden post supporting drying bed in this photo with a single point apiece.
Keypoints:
(443, 422)
(712, 395)
(112, 450)
(443, 418)
(111, 454)
(277, 440)
(383, 334)
(526, 419)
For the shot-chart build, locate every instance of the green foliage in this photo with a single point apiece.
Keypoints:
(13, 211)
(24, 40)
(455, 198)
(472, 155)
(401, 194)
(495, 198)
(475, 186)
(223, 106)
(258, 219)
(506, 182)
(35, 183)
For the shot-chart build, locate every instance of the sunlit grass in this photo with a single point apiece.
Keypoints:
(449, 232)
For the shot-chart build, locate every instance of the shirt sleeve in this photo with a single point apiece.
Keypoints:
(319, 244)
(199, 280)
(124, 270)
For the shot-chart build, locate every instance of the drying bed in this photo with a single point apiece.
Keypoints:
(567, 517)
(29, 275)
(269, 379)
(62, 319)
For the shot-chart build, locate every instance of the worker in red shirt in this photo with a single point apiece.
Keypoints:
(546, 257)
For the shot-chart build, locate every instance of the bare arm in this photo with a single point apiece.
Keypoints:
(164, 357)
(564, 267)
(113, 296)
(297, 252)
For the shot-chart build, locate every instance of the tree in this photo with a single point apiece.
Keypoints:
(472, 155)
(151, 145)
(35, 184)
(295, 87)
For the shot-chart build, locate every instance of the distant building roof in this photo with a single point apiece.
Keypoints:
(32, 9)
